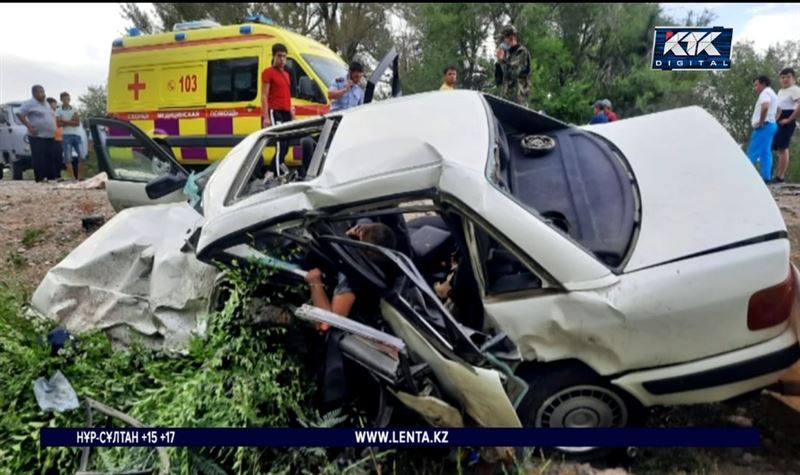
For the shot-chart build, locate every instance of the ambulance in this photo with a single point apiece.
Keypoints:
(197, 89)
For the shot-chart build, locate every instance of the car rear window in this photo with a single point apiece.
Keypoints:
(581, 187)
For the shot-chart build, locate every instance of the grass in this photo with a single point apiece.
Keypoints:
(31, 236)
(214, 385)
(17, 260)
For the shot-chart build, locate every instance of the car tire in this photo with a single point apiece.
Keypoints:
(16, 171)
(537, 145)
(571, 395)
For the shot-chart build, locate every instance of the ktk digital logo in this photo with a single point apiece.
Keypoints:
(682, 48)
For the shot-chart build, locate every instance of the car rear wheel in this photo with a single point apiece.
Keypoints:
(571, 396)
(16, 171)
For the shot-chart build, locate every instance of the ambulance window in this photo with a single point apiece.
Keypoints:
(232, 80)
(297, 73)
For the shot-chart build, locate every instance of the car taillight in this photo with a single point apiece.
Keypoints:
(771, 306)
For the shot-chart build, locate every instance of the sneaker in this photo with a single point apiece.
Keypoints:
(777, 180)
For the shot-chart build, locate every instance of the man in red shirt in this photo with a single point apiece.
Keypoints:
(276, 96)
(609, 110)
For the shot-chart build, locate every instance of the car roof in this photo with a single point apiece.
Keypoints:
(429, 129)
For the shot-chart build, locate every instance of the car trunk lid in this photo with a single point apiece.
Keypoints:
(699, 192)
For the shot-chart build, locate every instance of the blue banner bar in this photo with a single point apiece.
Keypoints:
(487, 437)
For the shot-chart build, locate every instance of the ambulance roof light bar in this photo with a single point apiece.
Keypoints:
(195, 25)
(259, 19)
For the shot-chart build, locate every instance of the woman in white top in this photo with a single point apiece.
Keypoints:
(788, 112)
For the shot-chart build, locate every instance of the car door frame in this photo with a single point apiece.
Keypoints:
(392, 58)
(135, 191)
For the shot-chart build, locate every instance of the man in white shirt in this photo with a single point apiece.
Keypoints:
(70, 121)
(788, 113)
(764, 127)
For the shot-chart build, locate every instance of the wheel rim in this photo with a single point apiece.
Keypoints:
(582, 407)
(538, 142)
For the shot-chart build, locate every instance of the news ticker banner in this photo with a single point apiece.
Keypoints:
(460, 437)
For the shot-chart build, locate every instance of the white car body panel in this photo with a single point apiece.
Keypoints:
(633, 382)
(132, 275)
(649, 318)
(12, 133)
(698, 190)
(128, 194)
(479, 390)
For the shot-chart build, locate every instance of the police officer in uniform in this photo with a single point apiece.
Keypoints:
(512, 70)
(347, 92)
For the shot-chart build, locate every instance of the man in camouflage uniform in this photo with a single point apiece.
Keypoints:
(512, 71)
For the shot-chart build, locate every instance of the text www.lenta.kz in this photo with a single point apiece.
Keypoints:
(401, 437)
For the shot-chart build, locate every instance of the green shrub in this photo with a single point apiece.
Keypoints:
(31, 236)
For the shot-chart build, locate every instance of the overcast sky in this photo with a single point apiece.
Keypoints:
(67, 46)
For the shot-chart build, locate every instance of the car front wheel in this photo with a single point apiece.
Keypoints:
(571, 396)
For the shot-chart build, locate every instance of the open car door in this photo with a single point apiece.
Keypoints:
(140, 171)
(467, 364)
(391, 59)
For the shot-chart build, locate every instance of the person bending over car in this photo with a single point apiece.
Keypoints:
(344, 299)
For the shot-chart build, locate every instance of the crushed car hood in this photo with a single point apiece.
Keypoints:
(131, 278)
(699, 192)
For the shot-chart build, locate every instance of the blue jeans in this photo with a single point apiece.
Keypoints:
(760, 149)
(69, 142)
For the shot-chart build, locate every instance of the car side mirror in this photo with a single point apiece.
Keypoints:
(164, 185)
(3, 119)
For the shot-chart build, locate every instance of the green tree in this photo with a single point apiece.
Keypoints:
(139, 18)
(354, 30)
(93, 102)
(729, 97)
(448, 33)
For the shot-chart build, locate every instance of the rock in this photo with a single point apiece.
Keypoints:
(782, 412)
(613, 471)
(90, 223)
(767, 444)
(740, 421)
(746, 460)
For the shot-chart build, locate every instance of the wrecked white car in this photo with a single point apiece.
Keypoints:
(597, 270)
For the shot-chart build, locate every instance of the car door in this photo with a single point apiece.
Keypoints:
(140, 172)
(392, 59)
(5, 132)
(464, 362)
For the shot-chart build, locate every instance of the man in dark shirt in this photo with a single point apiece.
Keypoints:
(513, 68)
(276, 96)
(343, 296)
(599, 116)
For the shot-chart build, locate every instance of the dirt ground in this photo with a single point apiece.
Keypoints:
(41, 223)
